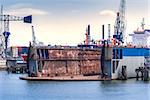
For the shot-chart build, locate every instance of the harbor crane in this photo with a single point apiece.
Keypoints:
(120, 27)
(35, 41)
(4, 35)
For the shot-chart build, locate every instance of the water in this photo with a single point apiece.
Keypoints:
(11, 88)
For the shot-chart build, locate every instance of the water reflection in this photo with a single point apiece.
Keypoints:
(126, 90)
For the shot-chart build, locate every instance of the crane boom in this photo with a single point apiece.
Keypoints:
(7, 18)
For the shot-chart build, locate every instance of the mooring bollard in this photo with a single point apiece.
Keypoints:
(146, 74)
(124, 72)
(137, 74)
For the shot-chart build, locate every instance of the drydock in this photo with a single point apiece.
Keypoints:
(106, 61)
(64, 63)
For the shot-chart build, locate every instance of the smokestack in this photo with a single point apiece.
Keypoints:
(118, 14)
(87, 41)
(89, 30)
(103, 31)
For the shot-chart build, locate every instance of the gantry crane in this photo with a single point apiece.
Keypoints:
(4, 35)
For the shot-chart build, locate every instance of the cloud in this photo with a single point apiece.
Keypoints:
(108, 13)
(20, 5)
(27, 11)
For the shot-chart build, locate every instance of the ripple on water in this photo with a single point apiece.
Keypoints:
(11, 88)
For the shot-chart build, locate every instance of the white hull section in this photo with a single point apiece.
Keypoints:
(131, 64)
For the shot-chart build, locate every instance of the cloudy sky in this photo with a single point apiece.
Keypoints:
(64, 21)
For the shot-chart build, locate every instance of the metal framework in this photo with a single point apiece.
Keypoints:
(7, 18)
(120, 26)
(4, 34)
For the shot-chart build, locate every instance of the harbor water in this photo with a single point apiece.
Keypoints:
(12, 88)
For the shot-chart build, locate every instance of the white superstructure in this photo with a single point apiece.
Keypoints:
(140, 38)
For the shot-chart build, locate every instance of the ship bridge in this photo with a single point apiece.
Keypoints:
(140, 38)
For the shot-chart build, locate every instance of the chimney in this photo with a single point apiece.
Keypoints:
(103, 31)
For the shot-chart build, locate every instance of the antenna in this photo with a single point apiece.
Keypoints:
(143, 24)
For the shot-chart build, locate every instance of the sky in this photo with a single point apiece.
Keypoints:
(64, 22)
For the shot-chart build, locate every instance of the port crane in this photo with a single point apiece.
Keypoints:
(4, 34)
(35, 42)
(120, 26)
